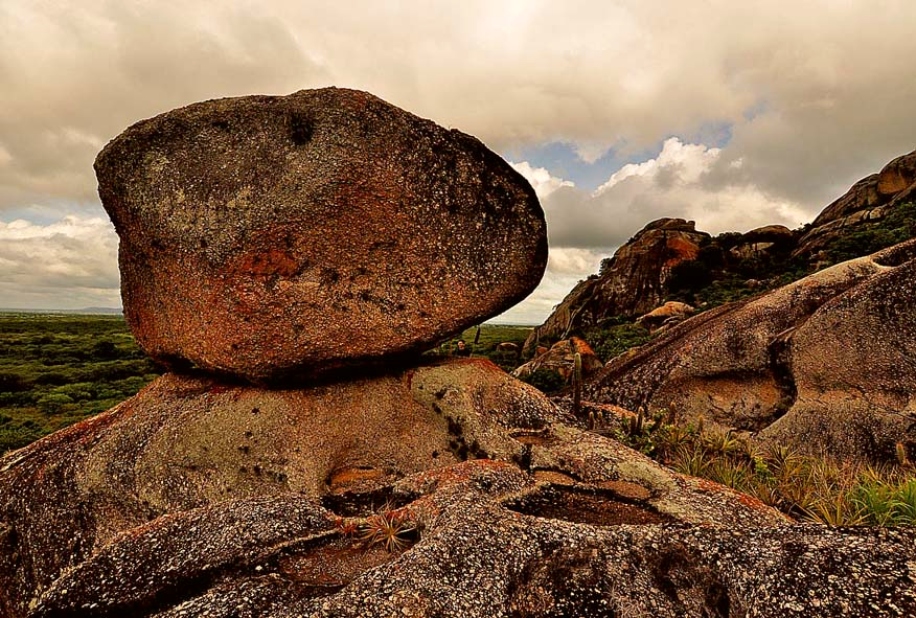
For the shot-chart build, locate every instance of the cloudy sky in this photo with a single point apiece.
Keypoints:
(733, 113)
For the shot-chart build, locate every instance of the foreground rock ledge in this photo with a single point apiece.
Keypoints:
(201, 498)
(268, 236)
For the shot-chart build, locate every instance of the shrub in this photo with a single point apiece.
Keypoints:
(609, 342)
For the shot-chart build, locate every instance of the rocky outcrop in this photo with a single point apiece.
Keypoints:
(670, 313)
(824, 363)
(197, 492)
(770, 238)
(591, 529)
(868, 200)
(268, 237)
(560, 359)
(630, 283)
(644, 272)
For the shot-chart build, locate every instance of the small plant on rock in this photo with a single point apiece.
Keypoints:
(392, 529)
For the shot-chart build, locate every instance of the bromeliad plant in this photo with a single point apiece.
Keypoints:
(392, 529)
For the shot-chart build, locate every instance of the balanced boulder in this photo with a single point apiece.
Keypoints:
(265, 237)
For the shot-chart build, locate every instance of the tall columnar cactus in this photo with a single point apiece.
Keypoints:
(577, 383)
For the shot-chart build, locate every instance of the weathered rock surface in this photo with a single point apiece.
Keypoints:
(560, 359)
(199, 497)
(825, 363)
(669, 313)
(495, 541)
(765, 239)
(630, 283)
(273, 236)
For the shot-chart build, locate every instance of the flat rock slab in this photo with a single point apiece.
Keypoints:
(266, 237)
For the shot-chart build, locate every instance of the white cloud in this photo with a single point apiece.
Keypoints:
(688, 162)
(544, 184)
(809, 112)
(68, 264)
(586, 227)
(803, 112)
(674, 184)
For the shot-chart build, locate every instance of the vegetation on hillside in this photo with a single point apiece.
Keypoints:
(717, 276)
(487, 342)
(58, 369)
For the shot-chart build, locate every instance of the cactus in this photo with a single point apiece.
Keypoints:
(902, 458)
(637, 422)
(577, 384)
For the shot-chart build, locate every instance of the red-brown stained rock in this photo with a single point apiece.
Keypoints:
(633, 282)
(273, 236)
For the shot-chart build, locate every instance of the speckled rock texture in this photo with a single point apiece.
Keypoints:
(825, 363)
(202, 498)
(268, 237)
(484, 549)
(630, 283)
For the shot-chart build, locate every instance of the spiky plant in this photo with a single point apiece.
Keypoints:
(577, 383)
(392, 529)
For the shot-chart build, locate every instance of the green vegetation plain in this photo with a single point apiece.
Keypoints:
(57, 369)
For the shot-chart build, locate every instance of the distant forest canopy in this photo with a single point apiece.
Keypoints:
(57, 369)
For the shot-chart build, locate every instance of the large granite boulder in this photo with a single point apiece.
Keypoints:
(630, 283)
(671, 312)
(266, 237)
(823, 364)
(761, 241)
(897, 176)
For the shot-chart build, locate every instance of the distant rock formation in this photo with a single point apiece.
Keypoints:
(269, 237)
(868, 200)
(560, 359)
(630, 283)
(823, 364)
(640, 275)
(764, 239)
